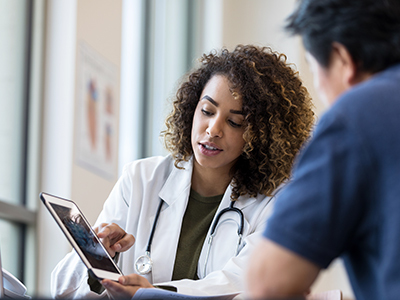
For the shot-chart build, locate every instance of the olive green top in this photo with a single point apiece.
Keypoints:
(197, 220)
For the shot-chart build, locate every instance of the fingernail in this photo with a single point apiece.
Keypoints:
(118, 246)
(104, 283)
(123, 280)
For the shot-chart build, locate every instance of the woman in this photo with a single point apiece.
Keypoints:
(236, 126)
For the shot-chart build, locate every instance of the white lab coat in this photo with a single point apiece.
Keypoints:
(132, 205)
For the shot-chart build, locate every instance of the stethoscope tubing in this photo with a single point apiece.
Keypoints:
(214, 226)
(144, 263)
(153, 228)
(230, 208)
(211, 236)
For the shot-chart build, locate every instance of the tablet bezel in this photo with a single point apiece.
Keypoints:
(47, 199)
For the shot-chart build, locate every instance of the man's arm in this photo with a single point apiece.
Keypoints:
(275, 272)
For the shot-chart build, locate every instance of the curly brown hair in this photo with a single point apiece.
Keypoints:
(277, 108)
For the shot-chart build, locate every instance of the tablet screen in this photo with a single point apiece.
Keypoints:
(84, 237)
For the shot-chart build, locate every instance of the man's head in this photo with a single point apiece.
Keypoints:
(367, 31)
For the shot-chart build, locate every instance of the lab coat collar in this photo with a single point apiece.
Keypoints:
(241, 202)
(177, 183)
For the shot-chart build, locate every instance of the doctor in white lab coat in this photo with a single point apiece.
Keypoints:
(234, 133)
(133, 204)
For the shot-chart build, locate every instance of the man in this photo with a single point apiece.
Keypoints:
(344, 196)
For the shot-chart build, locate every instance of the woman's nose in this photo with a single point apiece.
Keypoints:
(215, 128)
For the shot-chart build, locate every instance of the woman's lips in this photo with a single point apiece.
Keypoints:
(209, 149)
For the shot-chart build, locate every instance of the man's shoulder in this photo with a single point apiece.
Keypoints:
(371, 103)
(382, 86)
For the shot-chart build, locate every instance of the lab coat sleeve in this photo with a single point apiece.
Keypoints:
(230, 279)
(69, 278)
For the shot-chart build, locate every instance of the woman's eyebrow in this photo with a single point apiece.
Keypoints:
(210, 99)
(238, 112)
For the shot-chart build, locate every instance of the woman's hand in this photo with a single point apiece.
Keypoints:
(114, 238)
(126, 286)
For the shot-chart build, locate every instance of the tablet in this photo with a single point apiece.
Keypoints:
(82, 237)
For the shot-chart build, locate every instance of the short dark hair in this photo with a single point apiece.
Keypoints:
(278, 115)
(369, 29)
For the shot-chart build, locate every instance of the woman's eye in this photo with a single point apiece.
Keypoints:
(234, 124)
(205, 112)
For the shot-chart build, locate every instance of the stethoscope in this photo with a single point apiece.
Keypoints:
(144, 263)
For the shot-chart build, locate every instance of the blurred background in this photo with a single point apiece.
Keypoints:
(85, 86)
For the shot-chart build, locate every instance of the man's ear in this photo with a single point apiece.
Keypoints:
(349, 67)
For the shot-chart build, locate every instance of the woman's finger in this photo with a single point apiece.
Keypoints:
(118, 289)
(124, 244)
(131, 279)
(135, 280)
(112, 231)
(100, 227)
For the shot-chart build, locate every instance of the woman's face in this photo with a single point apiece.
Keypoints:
(217, 130)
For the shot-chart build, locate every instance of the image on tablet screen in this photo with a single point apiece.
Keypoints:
(84, 237)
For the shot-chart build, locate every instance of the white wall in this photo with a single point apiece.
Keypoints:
(98, 25)
(261, 22)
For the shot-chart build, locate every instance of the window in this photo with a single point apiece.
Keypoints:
(17, 157)
(159, 46)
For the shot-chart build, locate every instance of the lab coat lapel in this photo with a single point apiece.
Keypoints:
(222, 250)
(175, 194)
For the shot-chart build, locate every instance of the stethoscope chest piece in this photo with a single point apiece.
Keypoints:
(144, 264)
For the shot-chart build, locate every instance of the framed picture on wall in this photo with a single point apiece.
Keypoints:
(96, 113)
